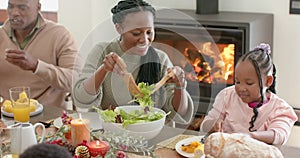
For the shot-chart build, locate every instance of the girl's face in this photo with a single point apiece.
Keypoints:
(137, 31)
(246, 82)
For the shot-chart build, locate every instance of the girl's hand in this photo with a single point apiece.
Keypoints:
(178, 78)
(218, 127)
(111, 63)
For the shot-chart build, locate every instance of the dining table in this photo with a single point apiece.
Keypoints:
(168, 132)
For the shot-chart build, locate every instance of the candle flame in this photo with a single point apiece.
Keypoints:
(80, 117)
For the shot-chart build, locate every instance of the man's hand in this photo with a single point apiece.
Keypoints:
(21, 59)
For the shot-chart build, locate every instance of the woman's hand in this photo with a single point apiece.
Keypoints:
(180, 99)
(178, 78)
(112, 63)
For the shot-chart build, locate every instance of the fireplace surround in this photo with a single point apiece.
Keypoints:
(208, 46)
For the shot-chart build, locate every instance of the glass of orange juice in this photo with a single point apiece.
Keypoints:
(20, 98)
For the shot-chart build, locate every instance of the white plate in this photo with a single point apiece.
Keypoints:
(186, 141)
(93, 117)
(38, 110)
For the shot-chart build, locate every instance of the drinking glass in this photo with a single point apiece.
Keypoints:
(10, 138)
(20, 99)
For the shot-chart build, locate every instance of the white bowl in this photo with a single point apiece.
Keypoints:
(147, 130)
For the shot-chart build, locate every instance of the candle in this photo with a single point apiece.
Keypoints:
(98, 148)
(80, 131)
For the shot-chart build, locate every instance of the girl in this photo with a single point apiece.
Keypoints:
(100, 83)
(251, 105)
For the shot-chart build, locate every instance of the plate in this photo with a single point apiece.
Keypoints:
(93, 117)
(39, 109)
(186, 141)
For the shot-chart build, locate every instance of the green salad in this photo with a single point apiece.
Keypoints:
(146, 99)
(137, 116)
(127, 118)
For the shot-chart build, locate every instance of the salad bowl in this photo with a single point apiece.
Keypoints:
(147, 129)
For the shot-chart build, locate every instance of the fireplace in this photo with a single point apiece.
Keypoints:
(207, 47)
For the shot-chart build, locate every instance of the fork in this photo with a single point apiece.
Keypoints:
(202, 141)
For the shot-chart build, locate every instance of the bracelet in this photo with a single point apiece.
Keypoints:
(179, 87)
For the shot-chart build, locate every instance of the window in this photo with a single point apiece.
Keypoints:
(47, 5)
(49, 9)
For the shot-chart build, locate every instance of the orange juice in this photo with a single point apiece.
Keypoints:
(21, 112)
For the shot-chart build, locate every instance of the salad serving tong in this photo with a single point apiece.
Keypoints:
(163, 81)
(132, 86)
(129, 80)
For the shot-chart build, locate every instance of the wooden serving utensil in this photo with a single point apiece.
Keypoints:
(163, 81)
(129, 80)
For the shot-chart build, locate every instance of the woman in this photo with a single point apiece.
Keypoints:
(100, 83)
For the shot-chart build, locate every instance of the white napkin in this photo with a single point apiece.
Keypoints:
(171, 142)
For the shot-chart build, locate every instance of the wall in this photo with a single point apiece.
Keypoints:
(286, 33)
(286, 44)
(88, 15)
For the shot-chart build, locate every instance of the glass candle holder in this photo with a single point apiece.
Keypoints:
(80, 131)
(98, 147)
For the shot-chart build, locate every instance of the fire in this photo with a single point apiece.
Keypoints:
(211, 66)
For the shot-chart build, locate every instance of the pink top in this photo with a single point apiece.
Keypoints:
(276, 115)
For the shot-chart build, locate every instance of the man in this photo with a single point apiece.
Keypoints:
(37, 53)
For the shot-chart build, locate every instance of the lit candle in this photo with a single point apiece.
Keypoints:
(80, 131)
(98, 148)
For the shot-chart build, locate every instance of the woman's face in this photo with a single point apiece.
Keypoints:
(137, 31)
(246, 82)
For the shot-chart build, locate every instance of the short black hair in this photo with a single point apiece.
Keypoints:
(45, 150)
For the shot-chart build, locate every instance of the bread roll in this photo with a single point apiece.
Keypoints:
(238, 145)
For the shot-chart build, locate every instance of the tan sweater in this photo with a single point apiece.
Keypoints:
(57, 54)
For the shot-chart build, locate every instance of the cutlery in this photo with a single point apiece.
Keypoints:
(129, 80)
(202, 140)
(163, 81)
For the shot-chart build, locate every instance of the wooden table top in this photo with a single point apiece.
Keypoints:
(166, 133)
(48, 113)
